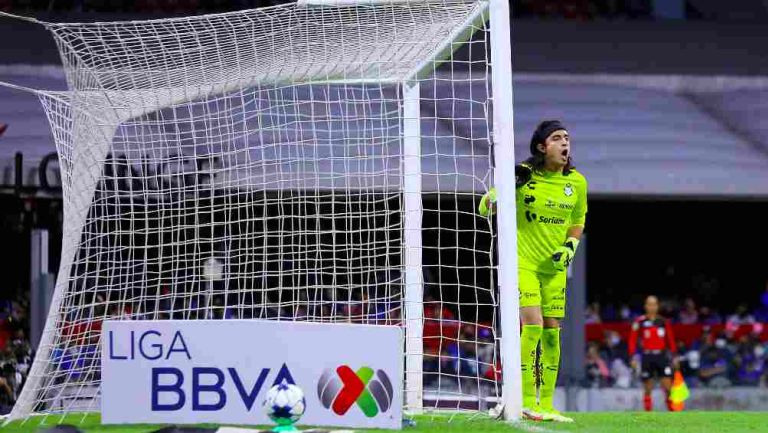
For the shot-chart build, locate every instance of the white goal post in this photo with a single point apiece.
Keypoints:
(327, 156)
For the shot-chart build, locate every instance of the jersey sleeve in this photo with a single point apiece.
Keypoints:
(632, 343)
(579, 215)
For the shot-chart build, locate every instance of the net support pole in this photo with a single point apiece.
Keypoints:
(504, 177)
(38, 283)
(414, 288)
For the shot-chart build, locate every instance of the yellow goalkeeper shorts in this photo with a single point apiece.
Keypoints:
(543, 290)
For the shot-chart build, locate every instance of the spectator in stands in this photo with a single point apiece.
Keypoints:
(706, 339)
(621, 373)
(615, 352)
(6, 395)
(16, 357)
(120, 311)
(688, 315)
(431, 364)
(300, 313)
(751, 364)
(592, 313)
(18, 317)
(20, 350)
(762, 310)
(708, 316)
(689, 367)
(740, 317)
(715, 361)
(625, 313)
(468, 368)
(608, 313)
(614, 347)
(435, 310)
(485, 352)
(598, 374)
(447, 360)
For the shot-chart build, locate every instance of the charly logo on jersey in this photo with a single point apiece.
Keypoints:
(568, 190)
(530, 216)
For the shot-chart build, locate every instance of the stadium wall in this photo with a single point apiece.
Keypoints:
(718, 399)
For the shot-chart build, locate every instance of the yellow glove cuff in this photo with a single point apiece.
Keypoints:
(488, 198)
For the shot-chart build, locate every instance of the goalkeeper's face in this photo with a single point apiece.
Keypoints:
(557, 148)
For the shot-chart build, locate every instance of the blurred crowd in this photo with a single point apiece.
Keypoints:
(731, 349)
(15, 351)
(457, 353)
(686, 312)
(714, 360)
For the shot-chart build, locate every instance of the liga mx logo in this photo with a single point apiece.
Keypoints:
(339, 389)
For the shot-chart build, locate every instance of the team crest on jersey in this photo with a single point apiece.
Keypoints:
(568, 190)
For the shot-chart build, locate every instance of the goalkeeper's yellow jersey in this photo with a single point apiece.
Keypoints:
(547, 207)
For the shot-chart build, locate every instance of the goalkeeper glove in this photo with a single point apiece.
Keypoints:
(487, 203)
(564, 254)
(523, 175)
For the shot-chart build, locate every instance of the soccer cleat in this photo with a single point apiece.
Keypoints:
(533, 414)
(554, 415)
(496, 412)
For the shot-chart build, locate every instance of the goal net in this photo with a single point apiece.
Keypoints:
(314, 162)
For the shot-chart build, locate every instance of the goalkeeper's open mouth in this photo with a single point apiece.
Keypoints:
(564, 153)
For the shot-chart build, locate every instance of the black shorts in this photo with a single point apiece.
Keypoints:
(656, 365)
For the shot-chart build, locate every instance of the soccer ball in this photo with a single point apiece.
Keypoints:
(284, 403)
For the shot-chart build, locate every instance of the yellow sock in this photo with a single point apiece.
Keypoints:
(550, 364)
(529, 342)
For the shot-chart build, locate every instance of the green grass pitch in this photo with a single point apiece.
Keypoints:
(599, 422)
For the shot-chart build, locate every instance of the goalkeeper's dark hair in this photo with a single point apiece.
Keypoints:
(538, 158)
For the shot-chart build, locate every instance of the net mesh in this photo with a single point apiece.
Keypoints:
(251, 165)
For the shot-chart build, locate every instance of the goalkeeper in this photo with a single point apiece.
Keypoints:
(551, 212)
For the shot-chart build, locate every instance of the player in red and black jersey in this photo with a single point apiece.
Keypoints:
(657, 349)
